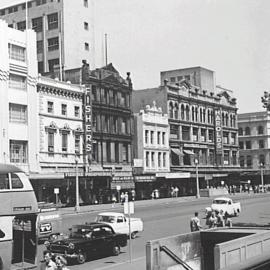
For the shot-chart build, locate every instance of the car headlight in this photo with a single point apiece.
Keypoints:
(71, 246)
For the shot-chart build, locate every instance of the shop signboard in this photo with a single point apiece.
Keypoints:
(218, 131)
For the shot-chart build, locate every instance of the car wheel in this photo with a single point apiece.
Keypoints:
(133, 235)
(115, 250)
(81, 257)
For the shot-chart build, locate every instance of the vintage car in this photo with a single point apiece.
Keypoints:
(85, 240)
(227, 205)
(120, 223)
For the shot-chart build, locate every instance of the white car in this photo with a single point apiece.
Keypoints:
(120, 223)
(225, 204)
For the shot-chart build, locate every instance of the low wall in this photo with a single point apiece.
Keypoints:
(187, 247)
(212, 192)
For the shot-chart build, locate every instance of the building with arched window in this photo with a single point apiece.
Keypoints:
(254, 138)
(204, 134)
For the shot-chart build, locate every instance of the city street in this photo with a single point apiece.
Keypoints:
(164, 218)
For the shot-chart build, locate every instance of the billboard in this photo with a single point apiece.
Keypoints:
(218, 132)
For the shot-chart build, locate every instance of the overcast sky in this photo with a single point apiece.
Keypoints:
(230, 37)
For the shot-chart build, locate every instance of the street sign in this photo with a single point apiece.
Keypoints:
(129, 208)
(56, 191)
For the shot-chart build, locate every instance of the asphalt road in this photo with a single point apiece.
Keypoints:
(166, 219)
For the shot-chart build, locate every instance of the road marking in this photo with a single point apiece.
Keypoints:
(121, 263)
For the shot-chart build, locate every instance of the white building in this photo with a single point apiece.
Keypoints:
(18, 98)
(152, 140)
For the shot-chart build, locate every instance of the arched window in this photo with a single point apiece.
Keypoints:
(240, 131)
(260, 129)
(176, 111)
(208, 116)
(231, 120)
(193, 114)
(182, 112)
(187, 112)
(223, 119)
(247, 131)
(171, 110)
(212, 116)
(226, 119)
(201, 117)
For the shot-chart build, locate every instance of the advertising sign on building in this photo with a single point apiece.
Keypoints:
(87, 125)
(218, 131)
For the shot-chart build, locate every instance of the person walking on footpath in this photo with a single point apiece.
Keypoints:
(48, 263)
(61, 263)
(195, 224)
(212, 222)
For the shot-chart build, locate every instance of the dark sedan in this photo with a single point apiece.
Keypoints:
(85, 240)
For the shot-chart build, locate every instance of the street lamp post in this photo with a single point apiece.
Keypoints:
(197, 179)
(261, 166)
(77, 205)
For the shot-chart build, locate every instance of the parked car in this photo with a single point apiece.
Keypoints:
(85, 240)
(120, 223)
(226, 205)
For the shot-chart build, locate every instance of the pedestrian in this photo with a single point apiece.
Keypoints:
(122, 198)
(61, 263)
(133, 194)
(227, 220)
(113, 200)
(212, 222)
(195, 223)
(176, 190)
(220, 219)
(48, 264)
(126, 197)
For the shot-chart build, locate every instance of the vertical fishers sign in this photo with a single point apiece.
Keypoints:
(87, 125)
(218, 131)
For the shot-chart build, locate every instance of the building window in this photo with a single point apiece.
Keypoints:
(50, 107)
(40, 46)
(249, 161)
(146, 135)
(50, 141)
(86, 26)
(185, 133)
(242, 161)
(260, 130)
(261, 159)
(124, 126)
(195, 134)
(147, 159)
(77, 143)
(247, 131)
(174, 132)
(187, 77)
(64, 109)
(248, 144)
(18, 151)
(203, 135)
(261, 143)
(158, 137)
(16, 52)
(17, 82)
(125, 153)
(17, 113)
(37, 24)
(240, 131)
(210, 135)
(40, 67)
(164, 160)
(53, 21)
(159, 159)
(241, 145)
(52, 63)
(163, 138)
(2, 12)
(64, 142)
(225, 137)
(234, 158)
(53, 44)
(152, 137)
(21, 25)
(226, 158)
(152, 159)
(233, 139)
(12, 9)
(86, 46)
(172, 79)
(85, 3)
(77, 111)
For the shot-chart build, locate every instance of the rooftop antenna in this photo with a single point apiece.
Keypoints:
(106, 51)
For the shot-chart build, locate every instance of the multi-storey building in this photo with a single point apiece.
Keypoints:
(151, 148)
(18, 98)
(203, 128)
(64, 30)
(254, 142)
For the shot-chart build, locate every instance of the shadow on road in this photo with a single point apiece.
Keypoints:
(249, 224)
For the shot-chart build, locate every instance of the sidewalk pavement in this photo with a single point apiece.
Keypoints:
(145, 203)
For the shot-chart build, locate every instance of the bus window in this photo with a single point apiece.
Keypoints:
(4, 181)
(16, 181)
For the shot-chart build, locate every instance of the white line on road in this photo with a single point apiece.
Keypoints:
(121, 263)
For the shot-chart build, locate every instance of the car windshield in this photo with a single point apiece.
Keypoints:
(220, 201)
(108, 219)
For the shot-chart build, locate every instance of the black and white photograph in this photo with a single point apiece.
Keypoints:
(134, 135)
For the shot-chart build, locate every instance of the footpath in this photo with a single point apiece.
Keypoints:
(140, 263)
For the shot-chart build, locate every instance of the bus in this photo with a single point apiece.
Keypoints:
(18, 217)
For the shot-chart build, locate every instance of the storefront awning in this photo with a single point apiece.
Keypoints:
(177, 151)
(188, 152)
(173, 175)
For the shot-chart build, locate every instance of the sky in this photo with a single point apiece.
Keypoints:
(230, 37)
